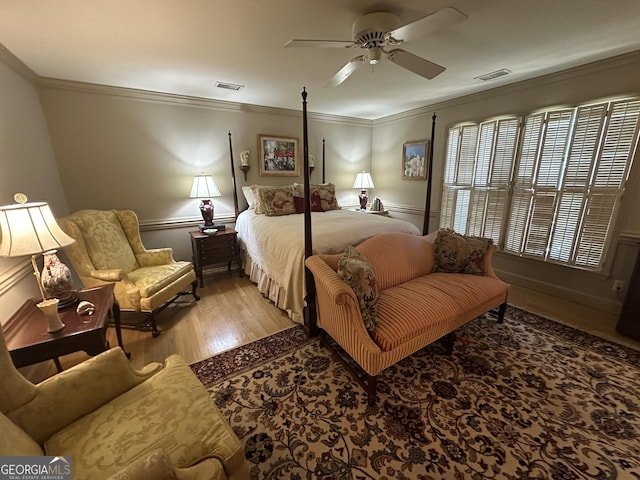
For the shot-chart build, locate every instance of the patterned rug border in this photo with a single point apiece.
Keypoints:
(238, 360)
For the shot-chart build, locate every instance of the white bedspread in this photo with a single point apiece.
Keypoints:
(274, 247)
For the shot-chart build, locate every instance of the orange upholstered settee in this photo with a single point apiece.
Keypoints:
(415, 305)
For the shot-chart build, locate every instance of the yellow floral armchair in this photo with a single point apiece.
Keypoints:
(108, 249)
(119, 423)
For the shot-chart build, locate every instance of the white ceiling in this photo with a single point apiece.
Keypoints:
(184, 46)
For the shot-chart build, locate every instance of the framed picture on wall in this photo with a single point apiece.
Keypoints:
(278, 156)
(414, 160)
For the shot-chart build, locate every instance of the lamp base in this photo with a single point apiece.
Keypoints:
(69, 300)
(364, 199)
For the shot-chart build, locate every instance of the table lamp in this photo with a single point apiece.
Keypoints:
(31, 229)
(363, 181)
(204, 188)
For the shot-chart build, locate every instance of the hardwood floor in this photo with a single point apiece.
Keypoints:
(584, 318)
(231, 312)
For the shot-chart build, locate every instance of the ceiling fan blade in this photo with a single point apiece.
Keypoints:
(345, 71)
(416, 64)
(430, 23)
(320, 43)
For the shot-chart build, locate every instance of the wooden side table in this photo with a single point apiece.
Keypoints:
(215, 248)
(28, 340)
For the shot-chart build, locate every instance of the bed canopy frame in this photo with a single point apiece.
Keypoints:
(310, 312)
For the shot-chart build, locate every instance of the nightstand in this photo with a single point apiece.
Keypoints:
(215, 248)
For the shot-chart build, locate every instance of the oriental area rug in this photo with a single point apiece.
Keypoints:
(526, 399)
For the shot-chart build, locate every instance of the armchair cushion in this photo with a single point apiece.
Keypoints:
(106, 242)
(150, 280)
(171, 410)
(156, 466)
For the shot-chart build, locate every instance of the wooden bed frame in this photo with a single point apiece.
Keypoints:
(310, 312)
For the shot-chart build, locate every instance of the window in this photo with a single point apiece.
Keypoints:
(545, 186)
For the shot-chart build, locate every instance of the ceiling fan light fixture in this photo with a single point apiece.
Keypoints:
(374, 55)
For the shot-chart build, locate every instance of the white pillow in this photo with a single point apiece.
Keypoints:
(248, 195)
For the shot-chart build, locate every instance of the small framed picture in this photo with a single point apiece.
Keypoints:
(414, 160)
(278, 156)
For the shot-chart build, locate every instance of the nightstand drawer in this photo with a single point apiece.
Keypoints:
(217, 253)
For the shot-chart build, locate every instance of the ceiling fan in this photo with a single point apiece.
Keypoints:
(378, 33)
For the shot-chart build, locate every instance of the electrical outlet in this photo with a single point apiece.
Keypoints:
(618, 285)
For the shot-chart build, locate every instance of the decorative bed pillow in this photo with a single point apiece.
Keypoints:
(276, 201)
(264, 191)
(355, 270)
(327, 193)
(316, 205)
(455, 253)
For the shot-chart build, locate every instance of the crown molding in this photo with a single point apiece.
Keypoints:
(15, 64)
(630, 58)
(199, 102)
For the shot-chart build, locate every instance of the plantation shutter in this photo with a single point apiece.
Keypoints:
(500, 178)
(546, 181)
(459, 169)
(611, 171)
(477, 177)
(579, 168)
(558, 203)
(523, 185)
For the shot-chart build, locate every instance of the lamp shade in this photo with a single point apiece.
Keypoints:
(30, 228)
(363, 180)
(204, 187)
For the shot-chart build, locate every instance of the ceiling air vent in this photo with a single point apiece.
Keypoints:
(490, 76)
(229, 86)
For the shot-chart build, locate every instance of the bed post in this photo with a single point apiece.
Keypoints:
(310, 314)
(427, 206)
(233, 177)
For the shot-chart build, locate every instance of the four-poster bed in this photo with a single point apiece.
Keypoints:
(273, 248)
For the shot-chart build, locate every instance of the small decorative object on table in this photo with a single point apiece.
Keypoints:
(50, 309)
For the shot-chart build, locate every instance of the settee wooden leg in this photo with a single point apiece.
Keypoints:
(194, 287)
(501, 311)
(449, 340)
(154, 325)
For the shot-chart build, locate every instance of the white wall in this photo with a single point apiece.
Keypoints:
(612, 78)
(128, 149)
(28, 166)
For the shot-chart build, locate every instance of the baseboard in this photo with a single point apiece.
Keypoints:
(598, 303)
